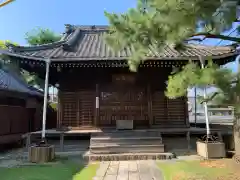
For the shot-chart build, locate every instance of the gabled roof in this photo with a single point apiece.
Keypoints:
(10, 82)
(87, 43)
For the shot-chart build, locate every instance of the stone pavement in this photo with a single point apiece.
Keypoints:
(128, 170)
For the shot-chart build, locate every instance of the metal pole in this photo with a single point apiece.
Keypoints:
(45, 100)
(205, 103)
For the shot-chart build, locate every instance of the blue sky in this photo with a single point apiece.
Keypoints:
(22, 16)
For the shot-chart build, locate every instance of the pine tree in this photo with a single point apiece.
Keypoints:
(40, 36)
(226, 82)
(160, 23)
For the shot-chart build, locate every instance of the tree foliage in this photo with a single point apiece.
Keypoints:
(160, 23)
(41, 36)
(35, 37)
(224, 80)
(192, 75)
(12, 66)
(3, 44)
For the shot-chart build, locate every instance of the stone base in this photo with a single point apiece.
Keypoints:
(211, 149)
(127, 148)
(124, 124)
(127, 156)
(41, 153)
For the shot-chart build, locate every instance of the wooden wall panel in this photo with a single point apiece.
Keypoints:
(69, 109)
(159, 108)
(86, 108)
(14, 119)
(176, 109)
(168, 112)
(118, 98)
(123, 103)
(77, 108)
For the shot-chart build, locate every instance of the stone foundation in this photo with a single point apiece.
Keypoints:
(126, 157)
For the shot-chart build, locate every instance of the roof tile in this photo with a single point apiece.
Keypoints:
(87, 43)
(11, 83)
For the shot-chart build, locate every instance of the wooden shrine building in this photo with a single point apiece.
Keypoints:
(96, 88)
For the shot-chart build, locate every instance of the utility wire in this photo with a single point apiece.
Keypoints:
(234, 30)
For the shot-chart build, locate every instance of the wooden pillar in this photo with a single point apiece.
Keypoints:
(28, 140)
(96, 119)
(166, 114)
(62, 141)
(188, 141)
(59, 110)
(149, 97)
(78, 109)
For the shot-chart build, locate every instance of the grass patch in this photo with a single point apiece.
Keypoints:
(204, 170)
(58, 171)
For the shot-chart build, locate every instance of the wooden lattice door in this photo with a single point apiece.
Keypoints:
(123, 101)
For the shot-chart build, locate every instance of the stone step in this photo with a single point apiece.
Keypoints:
(146, 140)
(128, 133)
(127, 156)
(113, 149)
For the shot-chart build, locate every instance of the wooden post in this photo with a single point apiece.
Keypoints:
(62, 141)
(220, 136)
(149, 97)
(97, 104)
(28, 140)
(166, 112)
(78, 109)
(188, 141)
(59, 110)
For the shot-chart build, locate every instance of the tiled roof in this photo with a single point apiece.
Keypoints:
(11, 83)
(87, 43)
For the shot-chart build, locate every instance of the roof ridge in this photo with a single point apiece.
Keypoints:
(226, 47)
(91, 27)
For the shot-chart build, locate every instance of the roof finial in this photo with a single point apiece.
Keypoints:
(69, 28)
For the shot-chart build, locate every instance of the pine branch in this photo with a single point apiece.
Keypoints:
(210, 98)
(216, 36)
